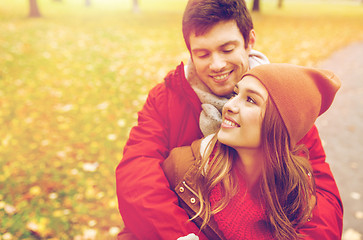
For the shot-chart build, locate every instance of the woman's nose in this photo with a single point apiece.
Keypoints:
(231, 106)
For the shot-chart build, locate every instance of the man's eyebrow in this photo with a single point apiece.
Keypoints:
(233, 42)
(195, 50)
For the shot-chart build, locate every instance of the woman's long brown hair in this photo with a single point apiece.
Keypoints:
(285, 186)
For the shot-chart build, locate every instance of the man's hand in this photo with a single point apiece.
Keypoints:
(191, 236)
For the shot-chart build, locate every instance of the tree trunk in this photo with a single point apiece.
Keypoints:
(279, 5)
(33, 9)
(256, 6)
(135, 6)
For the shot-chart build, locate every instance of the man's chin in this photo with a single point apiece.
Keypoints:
(223, 91)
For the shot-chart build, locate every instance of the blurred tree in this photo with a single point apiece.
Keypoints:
(279, 4)
(135, 6)
(256, 6)
(33, 9)
(88, 3)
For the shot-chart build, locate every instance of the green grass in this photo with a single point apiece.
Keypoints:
(72, 82)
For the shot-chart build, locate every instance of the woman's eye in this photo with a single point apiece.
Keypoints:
(251, 100)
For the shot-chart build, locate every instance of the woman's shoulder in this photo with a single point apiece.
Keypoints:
(180, 160)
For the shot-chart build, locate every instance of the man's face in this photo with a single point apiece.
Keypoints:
(220, 56)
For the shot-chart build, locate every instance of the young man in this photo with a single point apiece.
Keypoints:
(219, 35)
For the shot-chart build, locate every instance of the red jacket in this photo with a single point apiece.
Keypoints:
(169, 119)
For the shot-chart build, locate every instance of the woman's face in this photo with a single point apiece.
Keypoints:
(243, 115)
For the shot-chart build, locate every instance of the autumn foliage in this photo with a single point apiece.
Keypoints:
(72, 82)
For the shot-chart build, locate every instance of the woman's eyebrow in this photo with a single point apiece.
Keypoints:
(255, 92)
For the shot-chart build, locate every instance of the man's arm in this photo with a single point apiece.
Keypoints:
(327, 220)
(148, 207)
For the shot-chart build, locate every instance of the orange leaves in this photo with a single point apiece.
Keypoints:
(70, 87)
(292, 36)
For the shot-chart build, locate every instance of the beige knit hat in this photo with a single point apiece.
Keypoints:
(300, 94)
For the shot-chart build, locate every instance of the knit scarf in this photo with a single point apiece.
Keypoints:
(211, 115)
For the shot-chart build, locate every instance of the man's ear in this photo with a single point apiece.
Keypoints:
(252, 40)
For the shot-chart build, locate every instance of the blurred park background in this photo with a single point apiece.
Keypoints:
(73, 79)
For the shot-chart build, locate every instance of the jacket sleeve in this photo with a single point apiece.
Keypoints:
(148, 206)
(327, 220)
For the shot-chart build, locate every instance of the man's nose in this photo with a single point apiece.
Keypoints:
(217, 63)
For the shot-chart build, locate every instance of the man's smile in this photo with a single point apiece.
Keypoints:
(221, 78)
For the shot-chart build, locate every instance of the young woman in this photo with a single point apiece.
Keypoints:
(251, 180)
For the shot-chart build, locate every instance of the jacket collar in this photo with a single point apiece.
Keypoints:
(188, 182)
